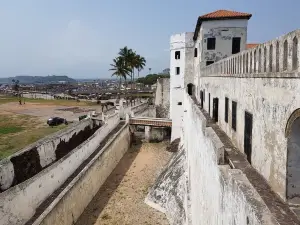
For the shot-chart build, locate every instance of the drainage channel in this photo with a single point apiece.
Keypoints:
(53, 196)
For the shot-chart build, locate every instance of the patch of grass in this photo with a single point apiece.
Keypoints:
(9, 130)
(63, 102)
(18, 131)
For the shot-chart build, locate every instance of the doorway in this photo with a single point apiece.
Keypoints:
(190, 89)
(201, 99)
(215, 109)
(248, 135)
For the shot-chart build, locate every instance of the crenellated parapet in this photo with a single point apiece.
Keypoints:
(275, 58)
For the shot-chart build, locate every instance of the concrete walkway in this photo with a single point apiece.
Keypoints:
(120, 201)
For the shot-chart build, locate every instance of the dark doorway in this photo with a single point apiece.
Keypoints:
(215, 109)
(201, 99)
(236, 45)
(190, 88)
(209, 104)
(248, 136)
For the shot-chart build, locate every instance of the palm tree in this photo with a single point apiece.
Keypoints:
(129, 57)
(121, 70)
(140, 63)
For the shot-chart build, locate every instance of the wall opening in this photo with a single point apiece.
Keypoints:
(246, 64)
(285, 55)
(250, 69)
(259, 60)
(226, 109)
(201, 99)
(295, 53)
(233, 116)
(209, 104)
(179, 103)
(248, 135)
(215, 109)
(277, 57)
(195, 52)
(265, 59)
(236, 45)
(271, 59)
(209, 62)
(211, 43)
(254, 61)
(177, 55)
(293, 158)
(177, 70)
(190, 89)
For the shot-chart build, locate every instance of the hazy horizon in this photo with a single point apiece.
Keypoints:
(75, 37)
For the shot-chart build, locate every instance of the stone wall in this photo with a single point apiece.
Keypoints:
(162, 98)
(69, 205)
(256, 80)
(34, 158)
(20, 202)
(213, 192)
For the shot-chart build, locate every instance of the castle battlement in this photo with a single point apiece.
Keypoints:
(275, 58)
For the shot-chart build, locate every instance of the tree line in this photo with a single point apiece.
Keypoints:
(151, 79)
(125, 64)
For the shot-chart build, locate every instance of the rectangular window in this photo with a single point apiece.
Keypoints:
(233, 125)
(226, 109)
(236, 45)
(177, 55)
(211, 43)
(177, 70)
(209, 62)
(195, 52)
(179, 103)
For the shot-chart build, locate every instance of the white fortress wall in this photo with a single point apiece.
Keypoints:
(20, 202)
(218, 194)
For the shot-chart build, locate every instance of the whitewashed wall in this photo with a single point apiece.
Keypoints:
(18, 204)
(218, 194)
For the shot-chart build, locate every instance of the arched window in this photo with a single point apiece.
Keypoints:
(271, 58)
(285, 55)
(295, 53)
(293, 158)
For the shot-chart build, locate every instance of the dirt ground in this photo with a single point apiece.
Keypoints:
(120, 201)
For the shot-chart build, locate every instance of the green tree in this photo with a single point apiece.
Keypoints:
(121, 69)
(140, 63)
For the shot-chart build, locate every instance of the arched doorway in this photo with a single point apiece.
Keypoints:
(190, 89)
(292, 133)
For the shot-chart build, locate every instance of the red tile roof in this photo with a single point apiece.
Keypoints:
(252, 45)
(220, 15)
(225, 14)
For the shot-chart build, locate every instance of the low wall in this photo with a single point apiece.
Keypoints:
(34, 158)
(20, 202)
(70, 204)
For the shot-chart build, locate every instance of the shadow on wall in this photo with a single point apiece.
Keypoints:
(109, 187)
(28, 164)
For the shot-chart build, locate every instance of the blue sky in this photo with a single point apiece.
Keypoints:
(79, 38)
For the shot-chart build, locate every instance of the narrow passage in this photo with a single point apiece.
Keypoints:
(120, 201)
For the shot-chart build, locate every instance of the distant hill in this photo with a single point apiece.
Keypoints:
(37, 79)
